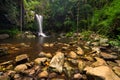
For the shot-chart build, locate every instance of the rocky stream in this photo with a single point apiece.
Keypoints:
(74, 60)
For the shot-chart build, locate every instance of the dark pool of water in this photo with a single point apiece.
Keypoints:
(34, 43)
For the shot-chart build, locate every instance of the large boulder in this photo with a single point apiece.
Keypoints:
(20, 59)
(57, 62)
(101, 73)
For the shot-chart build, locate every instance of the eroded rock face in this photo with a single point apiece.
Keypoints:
(102, 72)
(57, 62)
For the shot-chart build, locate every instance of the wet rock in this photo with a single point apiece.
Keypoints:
(16, 76)
(108, 56)
(11, 73)
(96, 49)
(27, 78)
(4, 36)
(40, 61)
(52, 75)
(4, 77)
(57, 62)
(24, 45)
(3, 51)
(89, 58)
(9, 67)
(1, 73)
(81, 65)
(43, 74)
(99, 62)
(103, 40)
(112, 64)
(73, 61)
(43, 54)
(48, 55)
(117, 70)
(80, 51)
(77, 76)
(118, 62)
(6, 63)
(21, 68)
(20, 59)
(101, 73)
(95, 43)
(68, 69)
(73, 55)
(46, 45)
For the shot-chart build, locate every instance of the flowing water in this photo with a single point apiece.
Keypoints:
(40, 21)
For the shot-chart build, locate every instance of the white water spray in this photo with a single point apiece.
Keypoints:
(40, 20)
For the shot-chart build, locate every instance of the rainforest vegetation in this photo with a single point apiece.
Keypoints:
(100, 16)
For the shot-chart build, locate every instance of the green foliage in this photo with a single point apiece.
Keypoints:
(11, 32)
(69, 34)
(103, 19)
(114, 42)
(86, 34)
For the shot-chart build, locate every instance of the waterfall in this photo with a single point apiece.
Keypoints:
(40, 20)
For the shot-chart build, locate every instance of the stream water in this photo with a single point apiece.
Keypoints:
(35, 46)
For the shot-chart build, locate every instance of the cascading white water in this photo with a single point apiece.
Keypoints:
(40, 20)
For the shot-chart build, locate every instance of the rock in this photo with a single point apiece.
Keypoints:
(68, 69)
(80, 51)
(21, 68)
(89, 58)
(73, 55)
(101, 73)
(77, 76)
(6, 63)
(41, 61)
(73, 61)
(43, 54)
(27, 78)
(95, 43)
(4, 77)
(103, 40)
(97, 50)
(108, 56)
(118, 62)
(46, 45)
(81, 65)
(43, 74)
(48, 55)
(23, 58)
(16, 76)
(3, 51)
(11, 73)
(1, 73)
(57, 62)
(99, 62)
(24, 45)
(52, 75)
(117, 70)
(4, 36)
(112, 63)
(9, 67)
